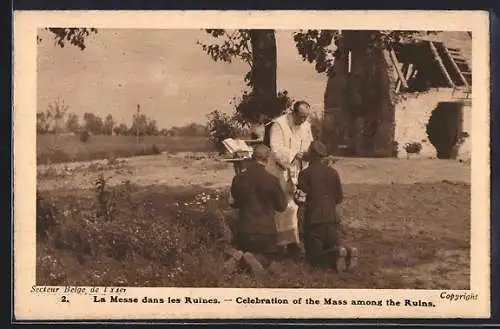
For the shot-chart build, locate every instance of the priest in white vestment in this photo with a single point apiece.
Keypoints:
(289, 138)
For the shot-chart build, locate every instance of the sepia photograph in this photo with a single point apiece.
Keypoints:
(254, 157)
(136, 130)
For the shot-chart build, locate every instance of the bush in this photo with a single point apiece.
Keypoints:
(413, 148)
(222, 126)
(247, 110)
(73, 234)
(45, 217)
(152, 243)
(395, 150)
(284, 101)
(108, 196)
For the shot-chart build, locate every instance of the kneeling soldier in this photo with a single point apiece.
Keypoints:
(321, 191)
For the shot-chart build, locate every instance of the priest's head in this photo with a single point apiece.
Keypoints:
(300, 112)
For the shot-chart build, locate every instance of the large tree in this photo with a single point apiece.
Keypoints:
(56, 112)
(257, 48)
(263, 74)
(93, 123)
(139, 123)
(108, 125)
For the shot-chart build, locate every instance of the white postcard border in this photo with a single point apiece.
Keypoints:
(47, 306)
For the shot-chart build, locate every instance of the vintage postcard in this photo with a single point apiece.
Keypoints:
(244, 165)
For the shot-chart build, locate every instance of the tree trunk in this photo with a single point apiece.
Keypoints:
(264, 72)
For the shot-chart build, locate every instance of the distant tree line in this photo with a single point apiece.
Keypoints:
(57, 119)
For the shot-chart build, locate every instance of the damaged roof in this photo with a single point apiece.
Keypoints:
(454, 39)
(440, 59)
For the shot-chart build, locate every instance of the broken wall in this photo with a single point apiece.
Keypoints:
(363, 111)
(412, 115)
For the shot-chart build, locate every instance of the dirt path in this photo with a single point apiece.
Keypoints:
(201, 170)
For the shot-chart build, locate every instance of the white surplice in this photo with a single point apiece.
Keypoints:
(286, 140)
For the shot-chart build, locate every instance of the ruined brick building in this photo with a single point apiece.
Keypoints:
(380, 100)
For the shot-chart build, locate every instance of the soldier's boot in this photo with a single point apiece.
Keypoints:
(340, 255)
(295, 251)
(352, 258)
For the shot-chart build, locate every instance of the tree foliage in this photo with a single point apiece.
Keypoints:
(121, 129)
(139, 123)
(257, 48)
(142, 125)
(221, 126)
(42, 123)
(93, 123)
(52, 120)
(318, 47)
(321, 46)
(72, 124)
(231, 45)
(74, 36)
(108, 125)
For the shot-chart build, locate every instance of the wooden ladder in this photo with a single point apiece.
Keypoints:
(463, 71)
(458, 62)
(457, 59)
(459, 65)
(439, 61)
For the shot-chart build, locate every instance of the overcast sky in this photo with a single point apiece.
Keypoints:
(163, 70)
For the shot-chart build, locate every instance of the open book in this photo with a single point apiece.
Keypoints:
(237, 148)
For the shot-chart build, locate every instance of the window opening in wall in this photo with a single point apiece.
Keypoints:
(445, 127)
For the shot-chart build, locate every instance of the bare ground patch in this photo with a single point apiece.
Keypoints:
(184, 169)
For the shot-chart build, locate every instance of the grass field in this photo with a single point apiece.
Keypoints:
(409, 218)
(67, 148)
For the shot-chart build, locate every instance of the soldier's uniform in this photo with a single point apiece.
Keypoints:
(257, 195)
(321, 223)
